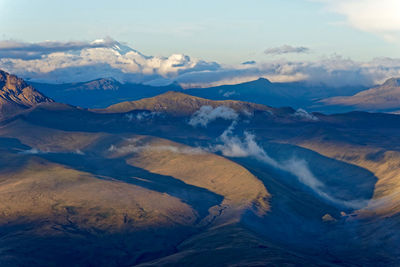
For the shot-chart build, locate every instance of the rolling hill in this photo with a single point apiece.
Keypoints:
(177, 103)
(251, 186)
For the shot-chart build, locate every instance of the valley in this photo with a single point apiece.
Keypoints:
(175, 180)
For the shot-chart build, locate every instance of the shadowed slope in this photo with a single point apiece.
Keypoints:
(55, 215)
(240, 189)
(233, 245)
(384, 164)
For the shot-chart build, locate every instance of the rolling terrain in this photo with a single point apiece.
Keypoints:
(179, 180)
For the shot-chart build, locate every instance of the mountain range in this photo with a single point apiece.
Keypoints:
(262, 91)
(101, 93)
(180, 180)
(104, 92)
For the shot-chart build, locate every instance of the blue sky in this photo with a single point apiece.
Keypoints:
(225, 31)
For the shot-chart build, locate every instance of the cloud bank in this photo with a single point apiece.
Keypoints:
(287, 49)
(29, 51)
(57, 62)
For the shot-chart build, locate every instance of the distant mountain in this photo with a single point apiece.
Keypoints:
(385, 97)
(16, 94)
(99, 84)
(262, 91)
(100, 93)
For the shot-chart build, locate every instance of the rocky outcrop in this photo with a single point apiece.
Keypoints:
(16, 95)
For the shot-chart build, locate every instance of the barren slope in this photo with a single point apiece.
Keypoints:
(180, 104)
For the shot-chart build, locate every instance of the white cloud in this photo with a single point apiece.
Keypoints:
(79, 152)
(376, 16)
(304, 115)
(142, 115)
(232, 146)
(286, 49)
(207, 114)
(227, 94)
(36, 151)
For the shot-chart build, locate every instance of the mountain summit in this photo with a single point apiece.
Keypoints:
(16, 94)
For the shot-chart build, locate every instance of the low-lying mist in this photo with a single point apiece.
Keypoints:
(132, 148)
(232, 145)
(207, 114)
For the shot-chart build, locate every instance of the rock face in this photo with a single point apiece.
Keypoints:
(16, 94)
